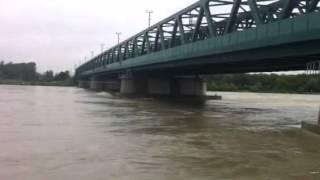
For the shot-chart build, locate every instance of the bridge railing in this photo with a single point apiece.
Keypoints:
(200, 21)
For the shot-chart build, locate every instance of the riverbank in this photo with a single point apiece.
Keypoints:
(265, 83)
(38, 83)
(264, 91)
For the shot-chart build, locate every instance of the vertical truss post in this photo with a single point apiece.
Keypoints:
(210, 22)
(136, 49)
(113, 55)
(143, 43)
(174, 34)
(108, 57)
(312, 5)
(288, 6)
(126, 50)
(104, 58)
(255, 11)
(156, 41)
(163, 45)
(270, 17)
(119, 53)
(198, 25)
(97, 62)
(181, 30)
(233, 15)
(148, 43)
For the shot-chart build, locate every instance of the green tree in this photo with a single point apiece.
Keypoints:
(62, 76)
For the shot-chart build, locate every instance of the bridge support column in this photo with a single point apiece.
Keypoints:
(192, 87)
(83, 84)
(133, 86)
(111, 85)
(95, 84)
(177, 87)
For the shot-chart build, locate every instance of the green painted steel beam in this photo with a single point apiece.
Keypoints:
(197, 25)
(232, 19)
(181, 30)
(312, 5)
(288, 6)
(255, 11)
(211, 25)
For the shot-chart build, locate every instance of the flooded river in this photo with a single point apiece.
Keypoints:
(56, 133)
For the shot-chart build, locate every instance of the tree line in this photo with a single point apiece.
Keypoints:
(300, 83)
(27, 72)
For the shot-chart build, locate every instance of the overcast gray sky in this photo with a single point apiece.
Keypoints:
(57, 34)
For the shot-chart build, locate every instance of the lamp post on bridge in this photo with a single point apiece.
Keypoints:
(102, 47)
(149, 12)
(118, 35)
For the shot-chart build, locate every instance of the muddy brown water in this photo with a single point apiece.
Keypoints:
(51, 133)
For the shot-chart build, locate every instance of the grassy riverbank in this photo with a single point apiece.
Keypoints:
(265, 83)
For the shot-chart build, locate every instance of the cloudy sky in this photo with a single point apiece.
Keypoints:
(58, 34)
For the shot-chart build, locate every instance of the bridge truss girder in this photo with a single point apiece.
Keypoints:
(200, 21)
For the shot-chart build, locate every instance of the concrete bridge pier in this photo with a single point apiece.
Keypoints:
(177, 87)
(129, 85)
(96, 84)
(83, 84)
(193, 86)
(133, 86)
(111, 85)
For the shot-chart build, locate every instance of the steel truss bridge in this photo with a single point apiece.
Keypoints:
(218, 36)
